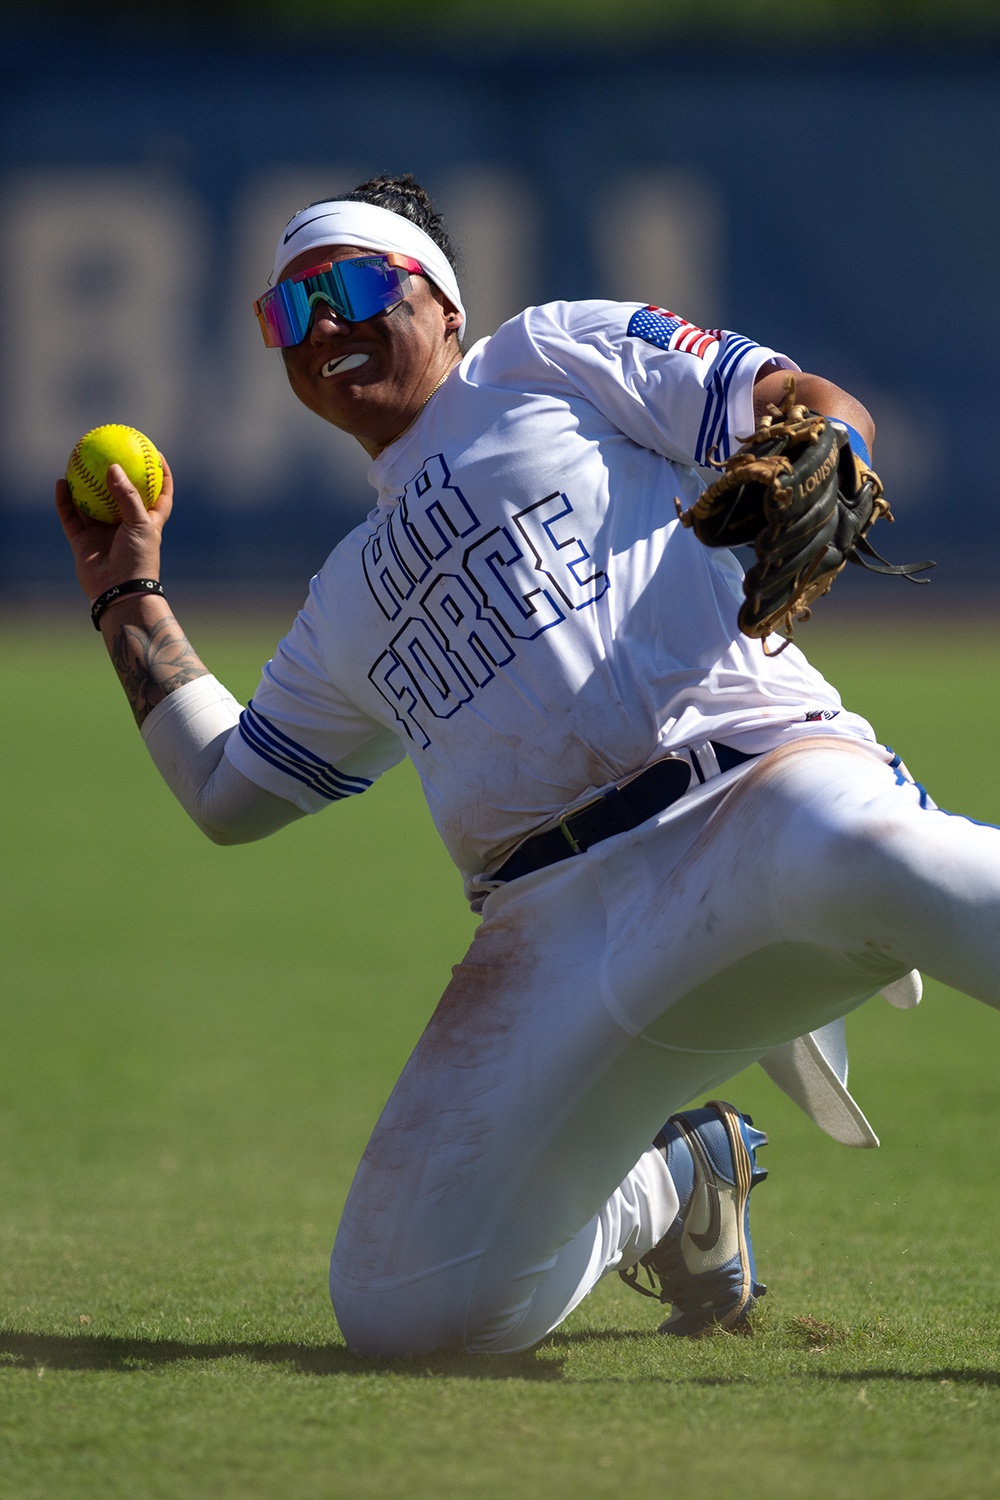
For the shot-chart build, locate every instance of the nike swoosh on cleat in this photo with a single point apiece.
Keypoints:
(710, 1237)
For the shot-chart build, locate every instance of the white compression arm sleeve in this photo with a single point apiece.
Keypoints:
(186, 736)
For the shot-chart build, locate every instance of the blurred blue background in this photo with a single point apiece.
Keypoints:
(839, 204)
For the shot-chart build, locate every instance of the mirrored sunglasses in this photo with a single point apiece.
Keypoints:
(355, 289)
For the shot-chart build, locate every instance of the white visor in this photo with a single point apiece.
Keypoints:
(370, 228)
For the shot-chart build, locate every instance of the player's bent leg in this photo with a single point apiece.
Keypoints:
(512, 1166)
(872, 869)
(828, 878)
(746, 928)
(534, 1271)
(520, 1297)
(601, 995)
(698, 1257)
(518, 1032)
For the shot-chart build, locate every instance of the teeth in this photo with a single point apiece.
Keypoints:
(346, 362)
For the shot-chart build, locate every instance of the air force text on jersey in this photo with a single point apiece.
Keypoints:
(466, 597)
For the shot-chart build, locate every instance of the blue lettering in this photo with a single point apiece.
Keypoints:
(506, 589)
(474, 642)
(512, 584)
(585, 584)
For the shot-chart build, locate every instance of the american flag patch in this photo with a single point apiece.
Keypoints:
(669, 331)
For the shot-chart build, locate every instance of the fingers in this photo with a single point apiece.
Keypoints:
(87, 538)
(165, 501)
(168, 478)
(130, 503)
(133, 509)
(72, 522)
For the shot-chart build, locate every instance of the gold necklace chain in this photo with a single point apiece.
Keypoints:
(404, 430)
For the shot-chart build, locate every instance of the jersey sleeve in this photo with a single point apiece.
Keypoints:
(300, 736)
(680, 390)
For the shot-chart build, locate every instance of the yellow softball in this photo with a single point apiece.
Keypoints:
(87, 470)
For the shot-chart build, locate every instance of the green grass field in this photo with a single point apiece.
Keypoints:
(196, 1041)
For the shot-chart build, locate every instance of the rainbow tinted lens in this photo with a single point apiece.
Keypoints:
(355, 289)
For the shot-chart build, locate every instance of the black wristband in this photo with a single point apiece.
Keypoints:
(134, 586)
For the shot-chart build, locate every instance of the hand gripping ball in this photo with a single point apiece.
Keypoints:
(87, 471)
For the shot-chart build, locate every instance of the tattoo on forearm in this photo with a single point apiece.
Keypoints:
(153, 663)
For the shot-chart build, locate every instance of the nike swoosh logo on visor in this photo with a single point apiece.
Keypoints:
(303, 225)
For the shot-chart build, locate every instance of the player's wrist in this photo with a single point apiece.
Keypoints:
(856, 442)
(129, 590)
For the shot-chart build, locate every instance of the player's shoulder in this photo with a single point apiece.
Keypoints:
(616, 330)
(548, 333)
(589, 318)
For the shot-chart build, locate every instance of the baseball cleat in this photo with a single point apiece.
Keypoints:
(704, 1265)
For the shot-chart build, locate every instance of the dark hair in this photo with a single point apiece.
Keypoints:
(403, 196)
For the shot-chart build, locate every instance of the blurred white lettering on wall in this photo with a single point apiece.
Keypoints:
(102, 275)
(660, 239)
(492, 218)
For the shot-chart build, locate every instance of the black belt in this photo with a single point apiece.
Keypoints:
(622, 808)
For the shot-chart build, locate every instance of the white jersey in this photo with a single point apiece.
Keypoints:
(522, 613)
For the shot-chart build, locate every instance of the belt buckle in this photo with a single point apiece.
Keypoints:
(564, 821)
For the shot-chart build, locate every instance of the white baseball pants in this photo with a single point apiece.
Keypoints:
(511, 1168)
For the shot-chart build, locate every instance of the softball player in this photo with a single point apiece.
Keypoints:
(687, 853)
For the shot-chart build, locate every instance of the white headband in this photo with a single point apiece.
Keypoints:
(370, 228)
